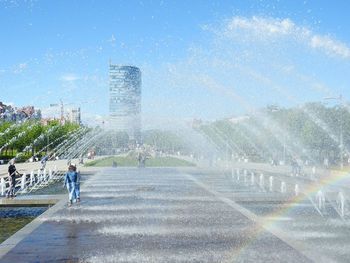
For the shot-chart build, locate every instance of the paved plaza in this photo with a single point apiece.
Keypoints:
(151, 215)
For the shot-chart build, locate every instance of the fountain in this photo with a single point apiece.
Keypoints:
(23, 182)
(283, 187)
(272, 54)
(313, 173)
(83, 144)
(252, 178)
(3, 186)
(320, 200)
(341, 204)
(261, 181)
(31, 183)
(44, 175)
(39, 173)
(50, 174)
(73, 137)
(271, 183)
(296, 190)
(17, 137)
(237, 174)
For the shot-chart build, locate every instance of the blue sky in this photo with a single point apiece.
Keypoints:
(200, 59)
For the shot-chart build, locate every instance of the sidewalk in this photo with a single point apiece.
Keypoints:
(147, 215)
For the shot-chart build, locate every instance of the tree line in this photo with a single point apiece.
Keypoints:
(31, 138)
(312, 132)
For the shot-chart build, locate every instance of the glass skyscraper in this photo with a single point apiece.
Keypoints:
(125, 100)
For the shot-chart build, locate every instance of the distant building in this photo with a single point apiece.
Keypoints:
(74, 116)
(125, 100)
(10, 113)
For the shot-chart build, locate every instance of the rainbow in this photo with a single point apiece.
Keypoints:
(268, 223)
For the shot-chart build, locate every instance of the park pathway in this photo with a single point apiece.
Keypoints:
(149, 215)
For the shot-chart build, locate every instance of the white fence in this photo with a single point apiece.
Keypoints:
(31, 181)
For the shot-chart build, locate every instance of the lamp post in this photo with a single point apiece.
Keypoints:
(341, 140)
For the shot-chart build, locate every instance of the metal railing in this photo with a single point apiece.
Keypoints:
(31, 181)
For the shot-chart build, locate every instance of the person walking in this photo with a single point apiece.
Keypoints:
(43, 162)
(70, 180)
(77, 183)
(12, 171)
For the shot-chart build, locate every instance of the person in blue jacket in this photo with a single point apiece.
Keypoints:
(43, 162)
(70, 180)
(77, 183)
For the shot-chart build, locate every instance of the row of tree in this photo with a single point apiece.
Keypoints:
(312, 133)
(31, 137)
(166, 141)
(114, 142)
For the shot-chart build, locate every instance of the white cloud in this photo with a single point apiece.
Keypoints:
(262, 25)
(268, 28)
(330, 46)
(69, 77)
(20, 67)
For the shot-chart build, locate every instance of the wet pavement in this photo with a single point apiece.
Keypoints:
(153, 215)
